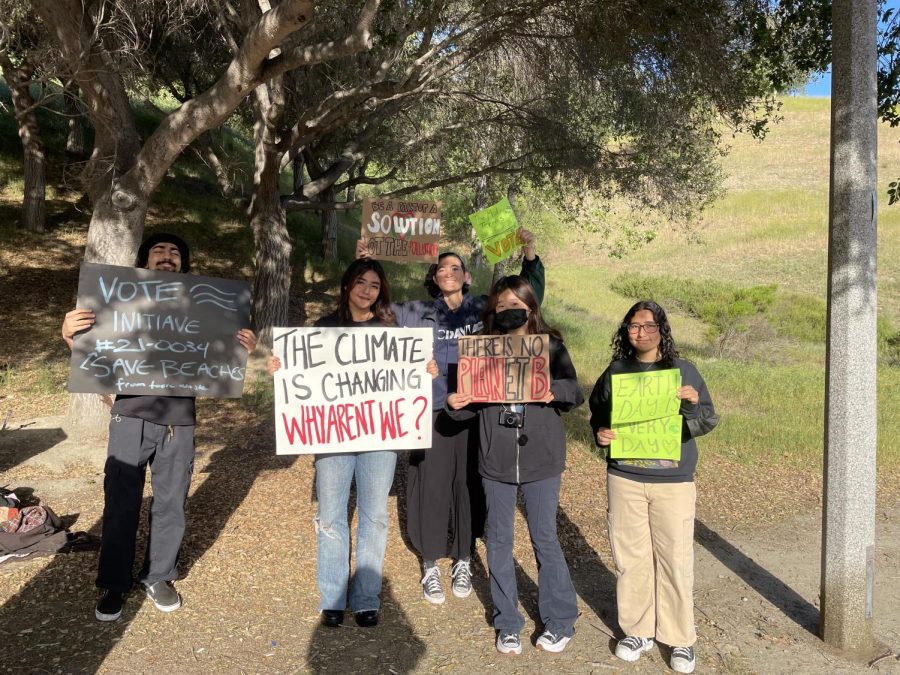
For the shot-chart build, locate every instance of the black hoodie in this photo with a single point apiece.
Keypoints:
(538, 449)
(698, 419)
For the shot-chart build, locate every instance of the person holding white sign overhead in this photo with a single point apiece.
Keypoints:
(646, 410)
(523, 447)
(145, 430)
(443, 490)
(364, 301)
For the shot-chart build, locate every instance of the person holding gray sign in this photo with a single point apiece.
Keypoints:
(523, 448)
(154, 431)
(364, 301)
(646, 393)
(443, 489)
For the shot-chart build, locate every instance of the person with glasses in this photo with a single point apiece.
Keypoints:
(652, 500)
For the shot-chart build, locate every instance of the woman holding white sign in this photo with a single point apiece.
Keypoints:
(646, 410)
(441, 488)
(364, 301)
(523, 447)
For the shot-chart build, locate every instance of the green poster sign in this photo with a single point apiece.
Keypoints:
(650, 439)
(637, 397)
(497, 230)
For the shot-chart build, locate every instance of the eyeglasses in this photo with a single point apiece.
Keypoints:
(635, 328)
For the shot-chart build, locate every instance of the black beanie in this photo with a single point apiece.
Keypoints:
(164, 237)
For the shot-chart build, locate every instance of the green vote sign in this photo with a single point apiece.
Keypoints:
(497, 230)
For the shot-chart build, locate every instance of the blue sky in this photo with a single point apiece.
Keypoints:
(821, 85)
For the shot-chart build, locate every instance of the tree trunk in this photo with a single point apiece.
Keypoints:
(33, 197)
(297, 171)
(75, 143)
(329, 228)
(272, 241)
(207, 149)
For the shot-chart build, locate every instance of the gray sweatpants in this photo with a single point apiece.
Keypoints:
(169, 450)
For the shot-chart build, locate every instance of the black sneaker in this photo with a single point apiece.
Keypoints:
(164, 596)
(109, 605)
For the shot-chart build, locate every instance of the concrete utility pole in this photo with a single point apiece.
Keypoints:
(848, 523)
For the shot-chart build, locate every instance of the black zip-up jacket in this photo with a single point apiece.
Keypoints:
(538, 449)
(449, 325)
(697, 419)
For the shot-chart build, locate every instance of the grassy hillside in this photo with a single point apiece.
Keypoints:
(769, 228)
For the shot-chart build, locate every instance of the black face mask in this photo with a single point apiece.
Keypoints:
(510, 319)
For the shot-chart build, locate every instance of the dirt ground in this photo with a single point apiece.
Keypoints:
(250, 599)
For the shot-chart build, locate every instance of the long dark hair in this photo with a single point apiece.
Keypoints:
(381, 308)
(431, 285)
(622, 347)
(524, 291)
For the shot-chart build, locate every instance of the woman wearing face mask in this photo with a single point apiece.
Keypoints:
(523, 447)
(443, 489)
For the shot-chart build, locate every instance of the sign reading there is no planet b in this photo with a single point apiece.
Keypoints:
(402, 230)
(159, 334)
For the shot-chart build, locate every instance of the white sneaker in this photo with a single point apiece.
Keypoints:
(683, 660)
(461, 572)
(551, 642)
(630, 648)
(431, 586)
(508, 643)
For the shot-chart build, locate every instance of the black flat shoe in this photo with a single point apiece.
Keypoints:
(332, 617)
(367, 619)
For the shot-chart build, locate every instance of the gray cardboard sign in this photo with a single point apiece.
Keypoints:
(159, 334)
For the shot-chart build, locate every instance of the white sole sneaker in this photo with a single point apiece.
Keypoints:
(107, 617)
(462, 594)
(503, 649)
(554, 647)
(632, 655)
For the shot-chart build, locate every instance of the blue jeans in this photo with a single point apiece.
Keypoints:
(374, 473)
(557, 602)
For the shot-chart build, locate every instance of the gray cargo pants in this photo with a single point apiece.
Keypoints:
(169, 450)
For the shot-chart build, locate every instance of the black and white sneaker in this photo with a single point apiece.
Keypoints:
(109, 605)
(551, 642)
(431, 586)
(508, 643)
(164, 596)
(683, 660)
(461, 572)
(630, 648)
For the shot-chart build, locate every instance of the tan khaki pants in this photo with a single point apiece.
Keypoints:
(651, 530)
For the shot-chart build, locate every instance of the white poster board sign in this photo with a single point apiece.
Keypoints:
(352, 389)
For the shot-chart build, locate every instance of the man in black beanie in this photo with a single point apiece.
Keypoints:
(146, 430)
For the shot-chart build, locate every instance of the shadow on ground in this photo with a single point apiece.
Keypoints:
(19, 445)
(773, 589)
(389, 647)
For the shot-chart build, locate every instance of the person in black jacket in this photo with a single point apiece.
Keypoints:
(443, 492)
(652, 500)
(523, 446)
